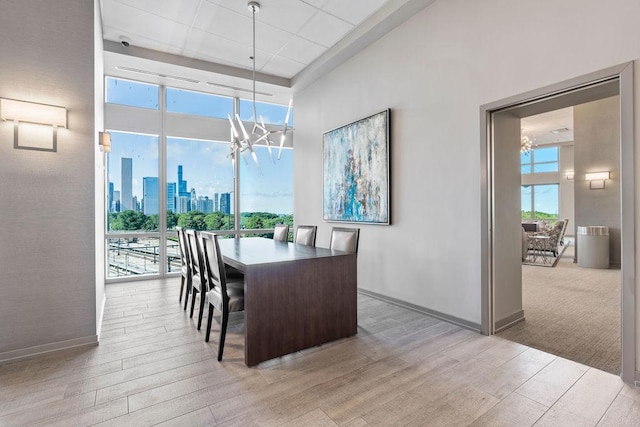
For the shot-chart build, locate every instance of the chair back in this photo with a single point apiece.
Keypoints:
(281, 232)
(182, 244)
(345, 239)
(197, 260)
(214, 266)
(306, 235)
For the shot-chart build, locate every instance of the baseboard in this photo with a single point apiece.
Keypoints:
(99, 325)
(475, 327)
(509, 321)
(38, 350)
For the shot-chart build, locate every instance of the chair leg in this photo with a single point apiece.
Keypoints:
(193, 301)
(223, 332)
(181, 287)
(206, 338)
(189, 292)
(200, 314)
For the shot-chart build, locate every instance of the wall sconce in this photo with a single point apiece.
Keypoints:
(29, 112)
(569, 175)
(104, 141)
(596, 179)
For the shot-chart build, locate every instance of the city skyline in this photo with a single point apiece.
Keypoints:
(205, 168)
(182, 201)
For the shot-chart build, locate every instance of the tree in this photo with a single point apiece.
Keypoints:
(128, 221)
(193, 219)
(150, 223)
(215, 221)
(172, 220)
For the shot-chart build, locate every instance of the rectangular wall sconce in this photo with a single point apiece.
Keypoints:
(30, 112)
(597, 179)
(569, 175)
(104, 141)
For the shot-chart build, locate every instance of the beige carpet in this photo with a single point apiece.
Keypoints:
(571, 312)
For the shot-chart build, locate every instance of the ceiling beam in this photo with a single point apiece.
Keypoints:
(197, 64)
(388, 17)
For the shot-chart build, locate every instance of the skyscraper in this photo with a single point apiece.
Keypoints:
(171, 196)
(182, 184)
(183, 204)
(126, 183)
(194, 200)
(150, 195)
(225, 203)
(205, 204)
(116, 201)
(110, 203)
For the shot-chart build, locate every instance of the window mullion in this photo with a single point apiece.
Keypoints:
(236, 176)
(162, 183)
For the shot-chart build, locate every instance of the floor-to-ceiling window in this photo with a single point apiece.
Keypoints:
(541, 200)
(171, 165)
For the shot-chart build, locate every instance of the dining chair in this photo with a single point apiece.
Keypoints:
(281, 232)
(306, 235)
(185, 267)
(225, 296)
(345, 239)
(198, 274)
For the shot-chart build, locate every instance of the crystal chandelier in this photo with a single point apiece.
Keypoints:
(241, 140)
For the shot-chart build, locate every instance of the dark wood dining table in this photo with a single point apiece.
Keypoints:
(296, 296)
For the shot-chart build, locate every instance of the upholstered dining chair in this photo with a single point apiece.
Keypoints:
(306, 235)
(222, 295)
(185, 267)
(198, 274)
(281, 232)
(344, 239)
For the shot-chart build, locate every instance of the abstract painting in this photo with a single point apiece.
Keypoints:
(356, 171)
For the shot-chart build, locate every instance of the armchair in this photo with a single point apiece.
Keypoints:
(555, 234)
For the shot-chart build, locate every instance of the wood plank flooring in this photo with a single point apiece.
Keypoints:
(152, 367)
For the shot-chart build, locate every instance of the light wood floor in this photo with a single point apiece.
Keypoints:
(403, 368)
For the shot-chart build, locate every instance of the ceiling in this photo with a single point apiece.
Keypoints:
(290, 34)
(553, 127)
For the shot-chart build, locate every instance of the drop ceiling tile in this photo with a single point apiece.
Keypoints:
(213, 47)
(182, 11)
(353, 11)
(325, 29)
(142, 25)
(281, 66)
(301, 50)
(285, 15)
(316, 3)
(239, 28)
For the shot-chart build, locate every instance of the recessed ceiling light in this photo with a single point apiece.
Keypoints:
(561, 130)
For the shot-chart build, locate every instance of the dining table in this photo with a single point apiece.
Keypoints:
(295, 296)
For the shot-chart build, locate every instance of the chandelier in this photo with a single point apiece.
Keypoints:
(525, 144)
(243, 142)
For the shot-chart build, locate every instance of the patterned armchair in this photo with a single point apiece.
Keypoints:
(556, 236)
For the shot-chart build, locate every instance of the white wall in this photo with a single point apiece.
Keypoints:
(434, 72)
(47, 208)
(597, 149)
(567, 188)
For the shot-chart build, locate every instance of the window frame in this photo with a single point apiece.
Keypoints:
(158, 121)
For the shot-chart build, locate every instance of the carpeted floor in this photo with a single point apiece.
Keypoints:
(571, 312)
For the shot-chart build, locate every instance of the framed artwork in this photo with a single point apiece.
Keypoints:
(356, 171)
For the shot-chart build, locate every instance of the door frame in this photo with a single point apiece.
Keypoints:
(624, 74)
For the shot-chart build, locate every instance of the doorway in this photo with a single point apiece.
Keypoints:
(501, 236)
